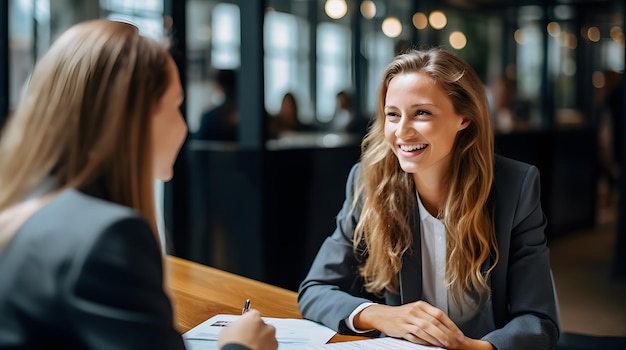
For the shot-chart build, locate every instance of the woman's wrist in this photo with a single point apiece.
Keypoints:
(364, 319)
(475, 344)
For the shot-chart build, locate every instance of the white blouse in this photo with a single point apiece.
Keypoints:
(472, 320)
(434, 287)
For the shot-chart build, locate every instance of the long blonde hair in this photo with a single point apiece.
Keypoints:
(387, 193)
(85, 118)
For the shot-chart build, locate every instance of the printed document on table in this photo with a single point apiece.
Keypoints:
(291, 333)
(373, 344)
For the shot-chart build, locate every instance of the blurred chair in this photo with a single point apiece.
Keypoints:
(579, 341)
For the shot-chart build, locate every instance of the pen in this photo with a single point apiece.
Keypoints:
(246, 307)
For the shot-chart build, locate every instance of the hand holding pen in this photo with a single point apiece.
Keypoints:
(246, 307)
(249, 331)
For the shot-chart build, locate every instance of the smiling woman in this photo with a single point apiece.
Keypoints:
(421, 126)
(439, 241)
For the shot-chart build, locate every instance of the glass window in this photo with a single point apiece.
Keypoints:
(21, 44)
(133, 6)
(213, 45)
(287, 63)
(213, 58)
(613, 51)
(334, 66)
(227, 36)
(146, 15)
(33, 25)
(529, 66)
(379, 51)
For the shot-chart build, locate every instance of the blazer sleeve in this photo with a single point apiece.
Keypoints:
(116, 297)
(525, 285)
(333, 287)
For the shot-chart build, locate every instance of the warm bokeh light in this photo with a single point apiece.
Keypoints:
(593, 33)
(597, 79)
(437, 20)
(583, 32)
(392, 27)
(554, 29)
(368, 9)
(519, 37)
(336, 9)
(457, 40)
(617, 34)
(420, 21)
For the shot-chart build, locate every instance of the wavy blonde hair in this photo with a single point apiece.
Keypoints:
(86, 116)
(387, 193)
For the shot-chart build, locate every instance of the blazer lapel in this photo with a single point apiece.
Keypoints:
(411, 271)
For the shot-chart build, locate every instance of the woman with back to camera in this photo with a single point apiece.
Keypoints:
(439, 241)
(80, 260)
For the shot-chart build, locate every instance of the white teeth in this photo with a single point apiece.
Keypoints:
(411, 148)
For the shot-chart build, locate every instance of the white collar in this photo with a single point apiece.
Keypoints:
(424, 214)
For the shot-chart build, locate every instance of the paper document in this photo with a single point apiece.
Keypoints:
(291, 333)
(373, 344)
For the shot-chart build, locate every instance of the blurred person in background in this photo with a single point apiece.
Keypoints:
(286, 121)
(343, 117)
(221, 122)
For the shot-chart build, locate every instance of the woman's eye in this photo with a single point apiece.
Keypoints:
(422, 112)
(391, 115)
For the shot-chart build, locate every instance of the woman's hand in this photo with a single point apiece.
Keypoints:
(250, 331)
(418, 322)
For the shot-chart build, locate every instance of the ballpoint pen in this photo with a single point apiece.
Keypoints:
(246, 307)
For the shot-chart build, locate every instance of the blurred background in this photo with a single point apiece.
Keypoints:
(279, 94)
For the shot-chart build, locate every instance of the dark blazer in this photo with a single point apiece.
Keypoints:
(84, 273)
(524, 305)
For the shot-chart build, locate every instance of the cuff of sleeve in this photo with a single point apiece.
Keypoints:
(350, 322)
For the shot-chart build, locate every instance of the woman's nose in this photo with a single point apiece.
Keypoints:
(405, 129)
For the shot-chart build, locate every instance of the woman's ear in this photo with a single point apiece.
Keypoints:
(464, 123)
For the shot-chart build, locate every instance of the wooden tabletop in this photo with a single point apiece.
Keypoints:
(199, 292)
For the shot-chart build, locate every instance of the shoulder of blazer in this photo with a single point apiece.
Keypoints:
(508, 167)
(74, 217)
(79, 205)
(509, 177)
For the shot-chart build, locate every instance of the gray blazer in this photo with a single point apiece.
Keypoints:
(85, 273)
(522, 295)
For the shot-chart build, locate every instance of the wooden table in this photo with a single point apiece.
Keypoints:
(199, 292)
